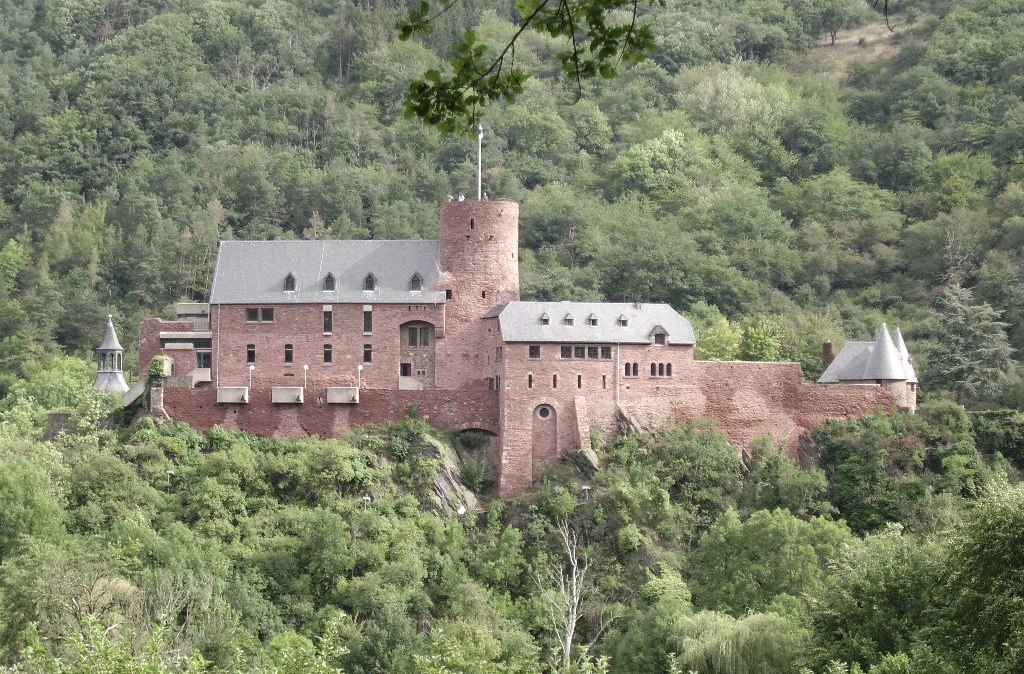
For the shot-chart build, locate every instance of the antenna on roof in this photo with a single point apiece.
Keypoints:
(479, 161)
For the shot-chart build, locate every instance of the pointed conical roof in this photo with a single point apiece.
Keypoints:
(901, 346)
(885, 361)
(110, 342)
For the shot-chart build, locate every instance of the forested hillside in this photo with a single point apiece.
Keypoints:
(735, 174)
(777, 189)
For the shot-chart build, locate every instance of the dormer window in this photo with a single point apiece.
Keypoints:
(416, 283)
(545, 319)
(592, 319)
(329, 282)
(370, 282)
(659, 335)
(289, 283)
(623, 320)
(569, 320)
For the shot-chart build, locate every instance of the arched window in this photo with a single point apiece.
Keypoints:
(289, 282)
(668, 370)
(661, 369)
(329, 282)
(370, 282)
(627, 369)
(636, 370)
(416, 282)
(654, 369)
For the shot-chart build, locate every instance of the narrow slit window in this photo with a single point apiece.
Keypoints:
(579, 381)
(529, 381)
(604, 381)
(554, 381)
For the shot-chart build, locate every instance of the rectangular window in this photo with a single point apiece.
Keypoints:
(659, 338)
(425, 336)
(566, 351)
(591, 352)
(202, 358)
(580, 352)
(367, 321)
(267, 315)
(414, 336)
(328, 354)
(535, 351)
(252, 315)
(448, 294)
(367, 353)
(288, 353)
(328, 321)
(250, 353)
(606, 352)
(405, 369)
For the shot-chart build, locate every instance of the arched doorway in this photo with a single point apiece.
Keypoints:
(544, 437)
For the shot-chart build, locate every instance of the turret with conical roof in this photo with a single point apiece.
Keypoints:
(109, 377)
(884, 362)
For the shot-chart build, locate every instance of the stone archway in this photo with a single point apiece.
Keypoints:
(544, 439)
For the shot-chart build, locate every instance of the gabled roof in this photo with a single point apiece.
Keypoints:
(253, 272)
(521, 322)
(110, 342)
(870, 361)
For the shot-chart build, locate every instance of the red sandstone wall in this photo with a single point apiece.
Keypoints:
(301, 325)
(444, 409)
(149, 344)
(519, 464)
(748, 400)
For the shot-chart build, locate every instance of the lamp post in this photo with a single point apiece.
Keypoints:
(359, 376)
(479, 160)
(305, 372)
(251, 368)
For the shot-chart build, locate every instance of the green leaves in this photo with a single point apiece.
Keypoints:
(600, 33)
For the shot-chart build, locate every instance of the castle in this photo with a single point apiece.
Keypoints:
(314, 337)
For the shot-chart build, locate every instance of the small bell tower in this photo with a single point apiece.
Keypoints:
(109, 377)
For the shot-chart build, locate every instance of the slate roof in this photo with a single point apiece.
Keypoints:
(254, 272)
(110, 342)
(886, 358)
(521, 322)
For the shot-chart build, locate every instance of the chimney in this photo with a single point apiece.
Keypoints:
(827, 354)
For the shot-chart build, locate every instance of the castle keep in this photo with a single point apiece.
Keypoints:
(313, 337)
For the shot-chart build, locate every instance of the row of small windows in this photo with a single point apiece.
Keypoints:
(592, 319)
(592, 352)
(554, 381)
(657, 369)
(369, 283)
(289, 354)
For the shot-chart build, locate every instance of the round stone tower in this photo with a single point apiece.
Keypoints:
(479, 256)
(479, 248)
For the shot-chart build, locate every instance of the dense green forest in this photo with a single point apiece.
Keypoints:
(776, 188)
